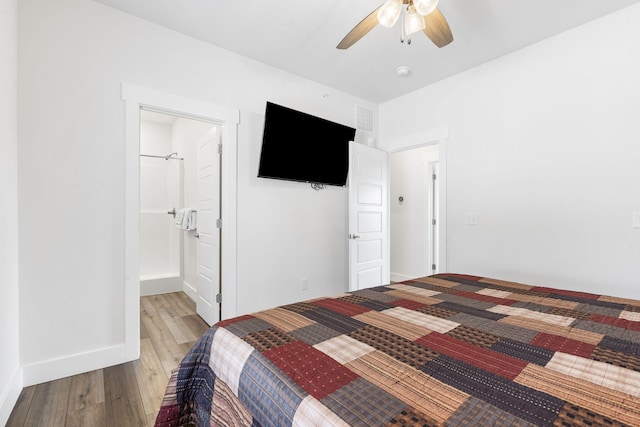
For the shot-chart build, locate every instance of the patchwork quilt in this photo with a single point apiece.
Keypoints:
(442, 350)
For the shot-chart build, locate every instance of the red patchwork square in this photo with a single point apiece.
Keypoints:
(491, 361)
(314, 371)
(407, 303)
(565, 345)
(616, 321)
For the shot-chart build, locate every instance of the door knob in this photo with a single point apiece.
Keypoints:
(354, 236)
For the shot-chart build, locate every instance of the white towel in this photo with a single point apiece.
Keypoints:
(180, 217)
(191, 219)
(186, 219)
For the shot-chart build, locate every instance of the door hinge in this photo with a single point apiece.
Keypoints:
(433, 267)
(220, 148)
(433, 176)
(219, 223)
(218, 298)
(433, 222)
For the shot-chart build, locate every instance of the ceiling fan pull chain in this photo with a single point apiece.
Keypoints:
(403, 31)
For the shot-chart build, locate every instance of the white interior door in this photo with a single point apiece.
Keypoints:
(368, 217)
(208, 227)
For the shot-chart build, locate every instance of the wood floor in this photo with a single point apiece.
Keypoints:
(123, 395)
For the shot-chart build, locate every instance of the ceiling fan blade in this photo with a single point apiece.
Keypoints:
(437, 28)
(359, 30)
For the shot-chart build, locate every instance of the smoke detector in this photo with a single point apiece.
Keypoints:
(403, 71)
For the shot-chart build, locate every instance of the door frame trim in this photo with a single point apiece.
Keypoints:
(136, 97)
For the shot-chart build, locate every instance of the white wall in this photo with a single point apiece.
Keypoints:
(410, 219)
(10, 371)
(74, 55)
(543, 146)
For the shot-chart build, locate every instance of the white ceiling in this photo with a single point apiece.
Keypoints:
(300, 36)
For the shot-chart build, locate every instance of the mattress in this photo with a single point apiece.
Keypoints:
(442, 350)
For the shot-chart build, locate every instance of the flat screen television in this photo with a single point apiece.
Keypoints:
(297, 146)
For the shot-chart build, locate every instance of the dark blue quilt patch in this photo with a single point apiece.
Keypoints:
(336, 321)
(268, 393)
(195, 380)
(623, 346)
(523, 351)
(529, 404)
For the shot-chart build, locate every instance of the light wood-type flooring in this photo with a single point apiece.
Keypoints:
(123, 395)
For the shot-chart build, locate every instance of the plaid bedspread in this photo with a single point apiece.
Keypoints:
(443, 350)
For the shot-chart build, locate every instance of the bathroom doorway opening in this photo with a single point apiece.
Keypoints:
(227, 119)
(180, 203)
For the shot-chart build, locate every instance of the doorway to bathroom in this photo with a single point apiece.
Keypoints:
(179, 238)
(226, 118)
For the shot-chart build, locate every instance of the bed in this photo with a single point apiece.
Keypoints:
(442, 350)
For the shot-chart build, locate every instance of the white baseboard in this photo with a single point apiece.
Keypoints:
(53, 369)
(396, 277)
(160, 285)
(10, 395)
(190, 291)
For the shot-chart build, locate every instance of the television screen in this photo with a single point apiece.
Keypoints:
(297, 146)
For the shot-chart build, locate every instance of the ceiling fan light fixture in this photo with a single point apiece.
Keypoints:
(412, 22)
(389, 12)
(425, 7)
(433, 25)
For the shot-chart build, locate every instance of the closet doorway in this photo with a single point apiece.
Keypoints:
(414, 207)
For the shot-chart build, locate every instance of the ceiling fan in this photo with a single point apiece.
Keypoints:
(417, 15)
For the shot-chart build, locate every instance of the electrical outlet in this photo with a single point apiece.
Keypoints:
(305, 284)
(636, 220)
(471, 218)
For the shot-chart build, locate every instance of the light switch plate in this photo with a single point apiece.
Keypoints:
(636, 220)
(471, 218)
